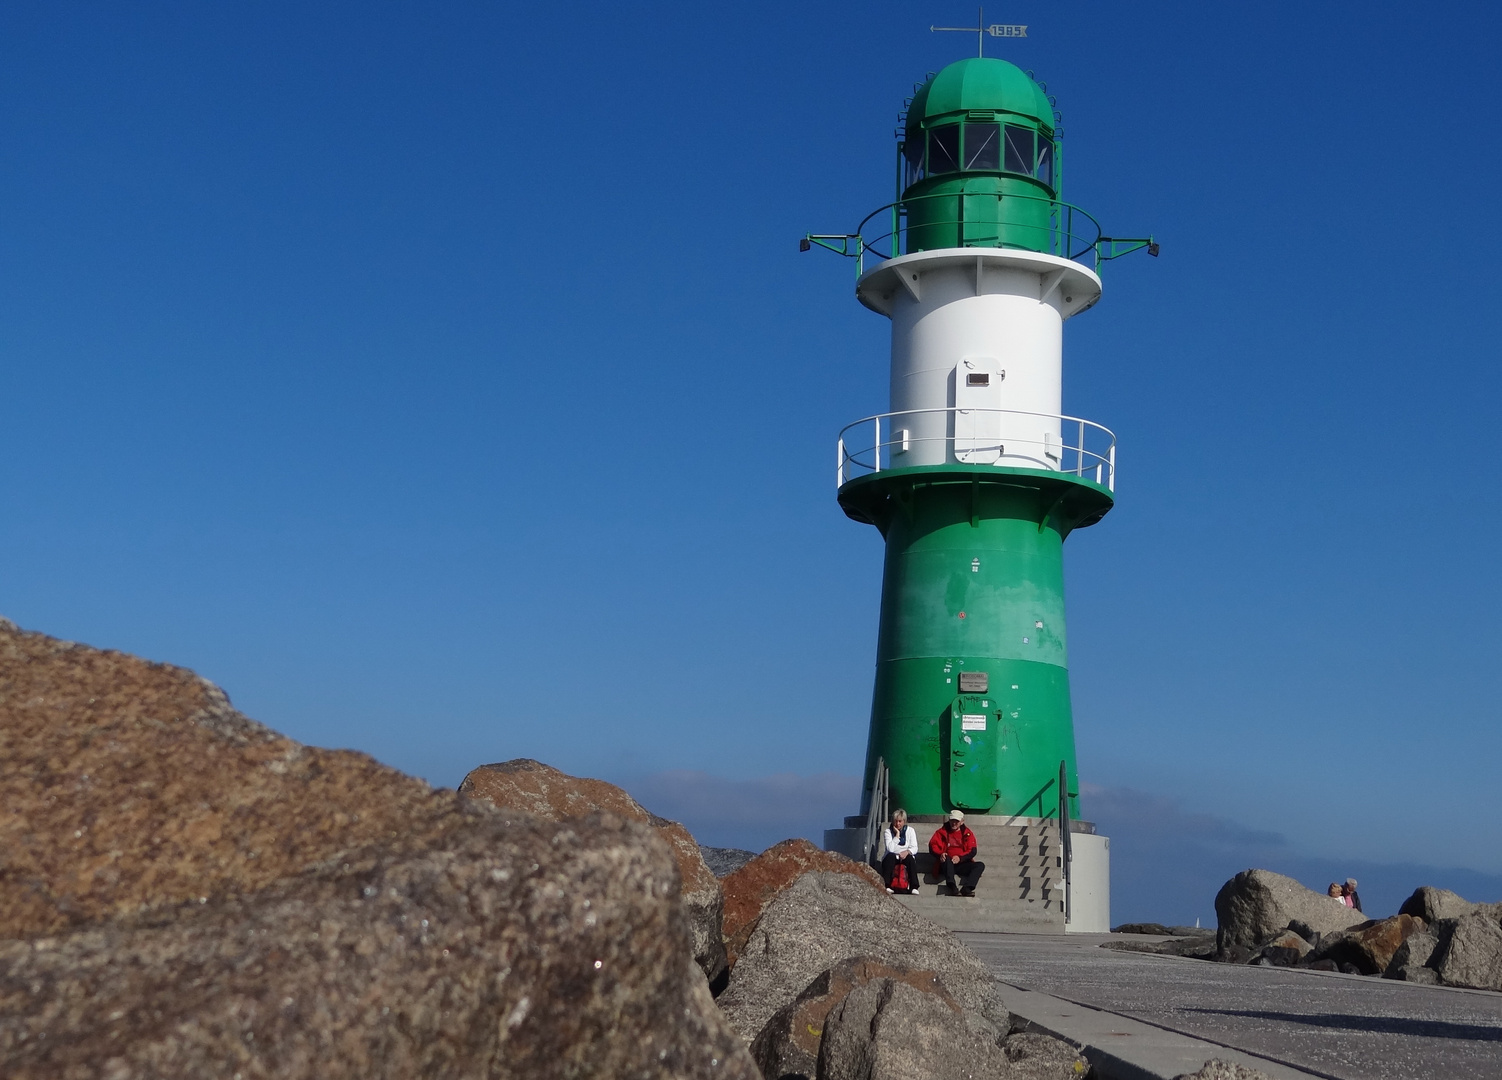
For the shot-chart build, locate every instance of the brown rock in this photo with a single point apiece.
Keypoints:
(462, 957)
(191, 894)
(1369, 947)
(750, 889)
(545, 792)
(128, 784)
(890, 1030)
(788, 1046)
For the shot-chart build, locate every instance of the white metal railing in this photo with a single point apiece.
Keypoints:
(1084, 449)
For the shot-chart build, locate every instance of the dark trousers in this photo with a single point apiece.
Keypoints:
(889, 870)
(960, 876)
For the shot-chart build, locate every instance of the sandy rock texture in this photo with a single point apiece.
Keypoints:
(1256, 905)
(545, 792)
(788, 1044)
(888, 1029)
(825, 917)
(128, 784)
(462, 958)
(1217, 1069)
(751, 888)
(186, 893)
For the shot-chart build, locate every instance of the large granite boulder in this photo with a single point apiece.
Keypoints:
(186, 893)
(1471, 954)
(888, 1029)
(1255, 905)
(541, 790)
(1369, 946)
(825, 917)
(1432, 905)
(459, 957)
(128, 784)
(751, 888)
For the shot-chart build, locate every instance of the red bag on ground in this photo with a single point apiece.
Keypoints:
(899, 878)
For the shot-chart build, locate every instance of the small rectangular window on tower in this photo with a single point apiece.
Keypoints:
(978, 378)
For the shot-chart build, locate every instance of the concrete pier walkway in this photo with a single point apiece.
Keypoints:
(1157, 1016)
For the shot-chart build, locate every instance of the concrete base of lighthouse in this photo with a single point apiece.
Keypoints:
(1022, 890)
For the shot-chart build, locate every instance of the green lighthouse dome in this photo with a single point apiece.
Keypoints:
(980, 160)
(979, 83)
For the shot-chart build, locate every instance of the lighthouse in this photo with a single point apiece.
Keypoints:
(974, 477)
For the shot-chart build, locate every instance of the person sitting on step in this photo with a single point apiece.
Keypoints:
(899, 847)
(953, 848)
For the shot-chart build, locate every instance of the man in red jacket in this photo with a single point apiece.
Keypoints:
(953, 849)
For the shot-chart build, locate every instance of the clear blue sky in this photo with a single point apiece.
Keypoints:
(445, 382)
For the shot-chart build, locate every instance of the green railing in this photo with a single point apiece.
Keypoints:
(982, 219)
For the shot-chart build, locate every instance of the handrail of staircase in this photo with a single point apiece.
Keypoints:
(1066, 848)
(876, 813)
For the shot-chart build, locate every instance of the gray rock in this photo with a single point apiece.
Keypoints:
(824, 917)
(1159, 930)
(1472, 954)
(1257, 904)
(1431, 904)
(453, 954)
(1201, 948)
(1035, 1056)
(889, 1030)
(723, 861)
(1216, 1069)
(788, 1046)
(1285, 950)
(1411, 958)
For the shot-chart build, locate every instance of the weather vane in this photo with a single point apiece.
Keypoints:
(980, 30)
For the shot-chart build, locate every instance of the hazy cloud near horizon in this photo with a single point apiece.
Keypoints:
(1167, 862)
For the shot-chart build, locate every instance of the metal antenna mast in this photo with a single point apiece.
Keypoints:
(980, 30)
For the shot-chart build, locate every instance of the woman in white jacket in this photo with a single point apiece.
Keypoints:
(899, 846)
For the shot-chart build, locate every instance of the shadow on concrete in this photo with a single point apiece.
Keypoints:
(1384, 1025)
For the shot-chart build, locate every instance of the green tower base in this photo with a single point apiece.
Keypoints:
(971, 705)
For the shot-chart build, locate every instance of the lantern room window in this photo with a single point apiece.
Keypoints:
(944, 149)
(982, 146)
(1020, 154)
(1045, 160)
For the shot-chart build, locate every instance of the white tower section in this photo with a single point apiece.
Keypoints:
(977, 355)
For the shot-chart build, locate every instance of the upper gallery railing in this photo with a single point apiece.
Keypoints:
(1005, 437)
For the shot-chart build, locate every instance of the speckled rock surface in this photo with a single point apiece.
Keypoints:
(750, 889)
(825, 917)
(1431, 904)
(889, 1030)
(462, 958)
(1224, 1070)
(541, 790)
(788, 1044)
(1257, 904)
(185, 893)
(1471, 954)
(128, 784)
